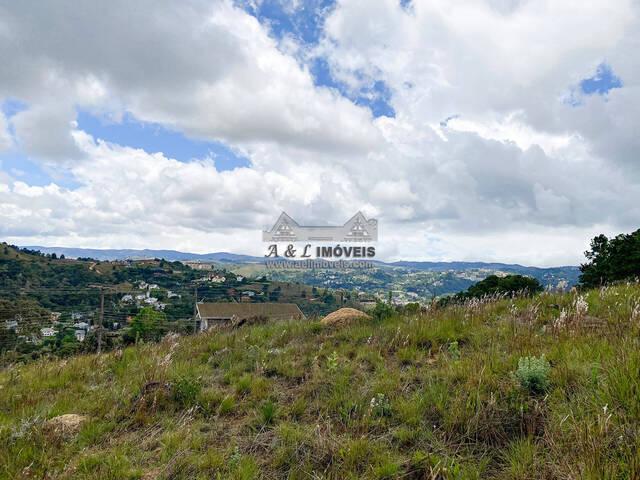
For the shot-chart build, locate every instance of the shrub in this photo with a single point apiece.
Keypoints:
(533, 373)
(185, 391)
(316, 327)
(382, 311)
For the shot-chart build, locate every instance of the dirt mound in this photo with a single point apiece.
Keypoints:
(344, 316)
(68, 424)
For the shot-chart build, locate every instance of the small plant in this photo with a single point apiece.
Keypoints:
(379, 406)
(226, 406)
(533, 373)
(268, 411)
(243, 385)
(185, 391)
(236, 456)
(581, 305)
(454, 351)
(332, 362)
(316, 327)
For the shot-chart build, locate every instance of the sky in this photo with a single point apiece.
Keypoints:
(479, 130)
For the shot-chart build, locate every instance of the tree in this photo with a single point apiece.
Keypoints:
(149, 324)
(509, 285)
(611, 260)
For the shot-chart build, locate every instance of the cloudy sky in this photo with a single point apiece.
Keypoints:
(503, 130)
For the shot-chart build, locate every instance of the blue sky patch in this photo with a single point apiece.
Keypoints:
(11, 106)
(376, 97)
(34, 173)
(153, 138)
(305, 23)
(602, 82)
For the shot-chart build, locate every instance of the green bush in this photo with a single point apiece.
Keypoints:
(382, 311)
(185, 391)
(533, 373)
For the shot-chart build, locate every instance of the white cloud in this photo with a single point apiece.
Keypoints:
(516, 175)
(6, 142)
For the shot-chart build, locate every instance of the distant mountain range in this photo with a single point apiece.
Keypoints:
(132, 254)
(174, 255)
(411, 280)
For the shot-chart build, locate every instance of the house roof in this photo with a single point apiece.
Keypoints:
(248, 310)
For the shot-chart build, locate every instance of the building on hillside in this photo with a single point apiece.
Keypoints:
(210, 314)
(55, 316)
(148, 261)
(127, 299)
(198, 265)
(80, 334)
(47, 332)
(11, 325)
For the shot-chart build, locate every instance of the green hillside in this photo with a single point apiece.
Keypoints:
(44, 291)
(448, 394)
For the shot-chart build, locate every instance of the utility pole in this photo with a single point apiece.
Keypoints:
(101, 318)
(195, 309)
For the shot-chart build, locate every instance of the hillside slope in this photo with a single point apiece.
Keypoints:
(411, 280)
(428, 396)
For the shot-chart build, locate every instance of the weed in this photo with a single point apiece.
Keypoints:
(533, 373)
(185, 391)
(332, 362)
(268, 411)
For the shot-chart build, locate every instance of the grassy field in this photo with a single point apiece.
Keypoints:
(435, 396)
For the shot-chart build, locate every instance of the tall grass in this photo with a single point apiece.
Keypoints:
(430, 395)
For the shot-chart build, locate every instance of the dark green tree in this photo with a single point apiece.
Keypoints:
(509, 285)
(611, 260)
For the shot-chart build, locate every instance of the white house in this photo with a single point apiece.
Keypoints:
(48, 332)
(11, 325)
(81, 325)
(80, 334)
(127, 299)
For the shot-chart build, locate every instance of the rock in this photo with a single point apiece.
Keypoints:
(344, 316)
(68, 424)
